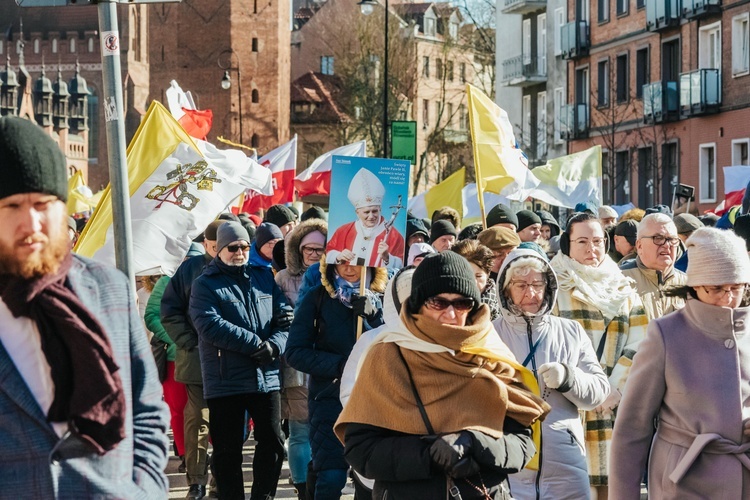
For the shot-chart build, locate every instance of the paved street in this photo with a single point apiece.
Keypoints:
(178, 487)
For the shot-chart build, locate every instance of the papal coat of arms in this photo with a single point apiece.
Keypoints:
(177, 192)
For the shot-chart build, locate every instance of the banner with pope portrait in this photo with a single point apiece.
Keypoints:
(367, 211)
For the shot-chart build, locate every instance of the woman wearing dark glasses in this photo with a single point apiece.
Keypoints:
(691, 376)
(561, 356)
(438, 408)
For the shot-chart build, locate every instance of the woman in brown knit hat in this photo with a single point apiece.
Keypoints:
(438, 405)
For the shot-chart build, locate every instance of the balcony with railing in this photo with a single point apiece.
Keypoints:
(694, 9)
(662, 14)
(522, 6)
(522, 71)
(574, 121)
(700, 92)
(661, 102)
(575, 41)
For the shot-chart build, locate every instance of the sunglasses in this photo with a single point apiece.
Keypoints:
(440, 304)
(234, 248)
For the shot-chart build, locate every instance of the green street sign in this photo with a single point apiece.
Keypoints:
(404, 141)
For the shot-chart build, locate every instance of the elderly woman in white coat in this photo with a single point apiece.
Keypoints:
(561, 356)
(693, 378)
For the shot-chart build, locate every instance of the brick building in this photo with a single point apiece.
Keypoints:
(662, 86)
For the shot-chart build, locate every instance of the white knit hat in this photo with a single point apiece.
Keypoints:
(716, 257)
(366, 189)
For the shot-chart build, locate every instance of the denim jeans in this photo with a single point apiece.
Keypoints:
(329, 484)
(299, 449)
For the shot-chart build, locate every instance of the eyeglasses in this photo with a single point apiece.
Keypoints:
(441, 304)
(718, 292)
(659, 240)
(234, 248)
(584, 242)
(536, 286)
(312, 251)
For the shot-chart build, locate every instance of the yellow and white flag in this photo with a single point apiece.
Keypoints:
(571, 179)
(80, 197)
(448, 193)
(177, 186)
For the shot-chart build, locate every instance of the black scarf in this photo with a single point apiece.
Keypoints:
(88, 390)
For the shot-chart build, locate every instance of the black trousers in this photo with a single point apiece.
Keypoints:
(227, 421)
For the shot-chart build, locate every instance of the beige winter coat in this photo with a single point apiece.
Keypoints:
(651, 285)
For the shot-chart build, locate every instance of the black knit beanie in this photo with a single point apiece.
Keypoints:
(526, 218)
(265, 233)
(445, 272)
(31, 161)
(279, 215)
(441, 228)
(314, 213)
(501, 214)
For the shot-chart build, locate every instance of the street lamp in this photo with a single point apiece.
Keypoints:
(226, 80)
(367, 7)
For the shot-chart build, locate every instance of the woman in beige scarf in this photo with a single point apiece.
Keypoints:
(439, 404)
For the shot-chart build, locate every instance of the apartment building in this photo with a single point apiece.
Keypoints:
(662, 86)
(532, 74)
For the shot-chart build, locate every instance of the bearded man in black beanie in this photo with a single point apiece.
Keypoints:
(79, 393)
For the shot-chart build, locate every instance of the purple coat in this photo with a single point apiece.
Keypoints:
(692, 373)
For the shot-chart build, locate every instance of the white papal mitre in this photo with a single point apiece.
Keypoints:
(365, 189)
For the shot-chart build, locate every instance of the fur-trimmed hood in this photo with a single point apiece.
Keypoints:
(378, 282)
(295, 263)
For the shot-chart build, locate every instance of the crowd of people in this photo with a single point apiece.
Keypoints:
(527, 357)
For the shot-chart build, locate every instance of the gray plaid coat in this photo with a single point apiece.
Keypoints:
(36, 464)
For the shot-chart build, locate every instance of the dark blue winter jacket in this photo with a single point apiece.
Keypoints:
(235, 309)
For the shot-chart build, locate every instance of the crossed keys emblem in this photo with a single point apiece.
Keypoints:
(177, 192)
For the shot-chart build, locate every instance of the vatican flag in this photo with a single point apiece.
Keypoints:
(177, 186)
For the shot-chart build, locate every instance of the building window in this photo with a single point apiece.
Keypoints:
(606, 180)
(740, 152)
(255, 96)
(91, 45)
(254, 45)
(603, 10)
(526, 42)
(641, 71)
(93, 110)
(425, 66)
(438, 114)
(439, 69)
(541, 43)
(449, 116)
(255, 141)
(709, 47)
(602, 83)
(463, 118)
(707, 168)
(541, 121)
(623, 78)
(559, 21)
(2, 47)
(623, 6)
(449, 71)
(646, 176)
(622, 177)
(639, 4)
(670, 172)
(54, 45)
(453, 30)
(429, 26)
(671, 62)
(740, 42)
(582, 86)
(462, 72)
(72, 45)
(526, 120)
(425, 113)
(326, 65)
(557, 118)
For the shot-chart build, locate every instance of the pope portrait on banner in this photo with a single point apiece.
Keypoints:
(370, 240)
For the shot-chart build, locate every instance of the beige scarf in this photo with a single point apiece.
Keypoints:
(459, 390)
(603, 287)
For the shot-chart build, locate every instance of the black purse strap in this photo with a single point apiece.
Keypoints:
(422, 411)
(602, 341)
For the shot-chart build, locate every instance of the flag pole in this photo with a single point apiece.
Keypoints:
(477, 171)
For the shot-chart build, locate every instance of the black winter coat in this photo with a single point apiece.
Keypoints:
(402, 468)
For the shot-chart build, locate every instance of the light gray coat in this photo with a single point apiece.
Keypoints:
(692, 373)
(563, 472)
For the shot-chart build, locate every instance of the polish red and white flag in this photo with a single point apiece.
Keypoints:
(282, 162)
(316, 179)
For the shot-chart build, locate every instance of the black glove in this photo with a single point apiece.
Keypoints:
(265, 354)
(365, 306)
(451, 452)
(284, 319)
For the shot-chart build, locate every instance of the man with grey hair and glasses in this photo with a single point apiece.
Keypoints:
(657, 246)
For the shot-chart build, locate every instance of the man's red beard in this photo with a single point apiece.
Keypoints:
(36, 264)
